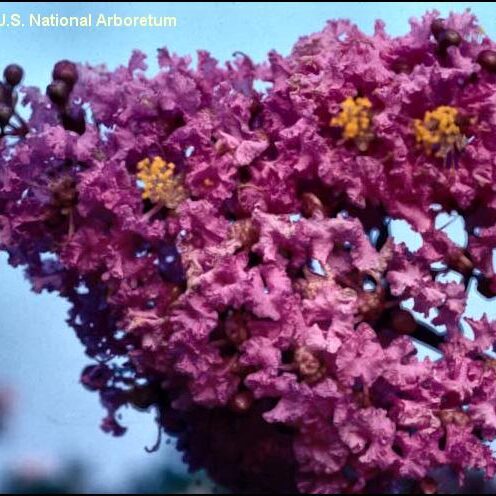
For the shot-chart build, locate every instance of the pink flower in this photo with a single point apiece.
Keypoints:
(258, 298)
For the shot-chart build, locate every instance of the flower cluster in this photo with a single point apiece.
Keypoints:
(230, 261)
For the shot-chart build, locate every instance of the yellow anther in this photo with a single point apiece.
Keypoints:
(160, 185)
(439, 132)
(355, 119)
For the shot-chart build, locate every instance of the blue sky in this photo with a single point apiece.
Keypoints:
(39, 355)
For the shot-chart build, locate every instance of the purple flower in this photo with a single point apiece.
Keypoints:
(229, 256)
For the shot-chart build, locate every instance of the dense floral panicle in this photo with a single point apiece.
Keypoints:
(230, 259)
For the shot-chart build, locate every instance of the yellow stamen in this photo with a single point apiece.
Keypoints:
(160, 185)
(439, 133)
(355, 119)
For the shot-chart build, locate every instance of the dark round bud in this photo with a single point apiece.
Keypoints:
(95, 377)
(74, 120)
(487, 60)
(448, 38)
(401, 65)
(5, 114)
(65, 71)
(403, 321)
(13, 74)
(58, 92)
(437, 27)
(486, 286)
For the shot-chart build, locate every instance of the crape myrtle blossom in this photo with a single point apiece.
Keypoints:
(229, 257)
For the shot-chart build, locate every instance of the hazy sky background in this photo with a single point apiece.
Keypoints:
(39, 355)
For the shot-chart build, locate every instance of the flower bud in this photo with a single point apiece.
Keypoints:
(487, 60)
(96, 377)
(448, 38)
(486, 286)
(74, 120)
(58, 92)
(66, 71)
(437, 27)
(403, 321)
(13, 74)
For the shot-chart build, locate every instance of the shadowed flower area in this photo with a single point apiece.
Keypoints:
(229, 255)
